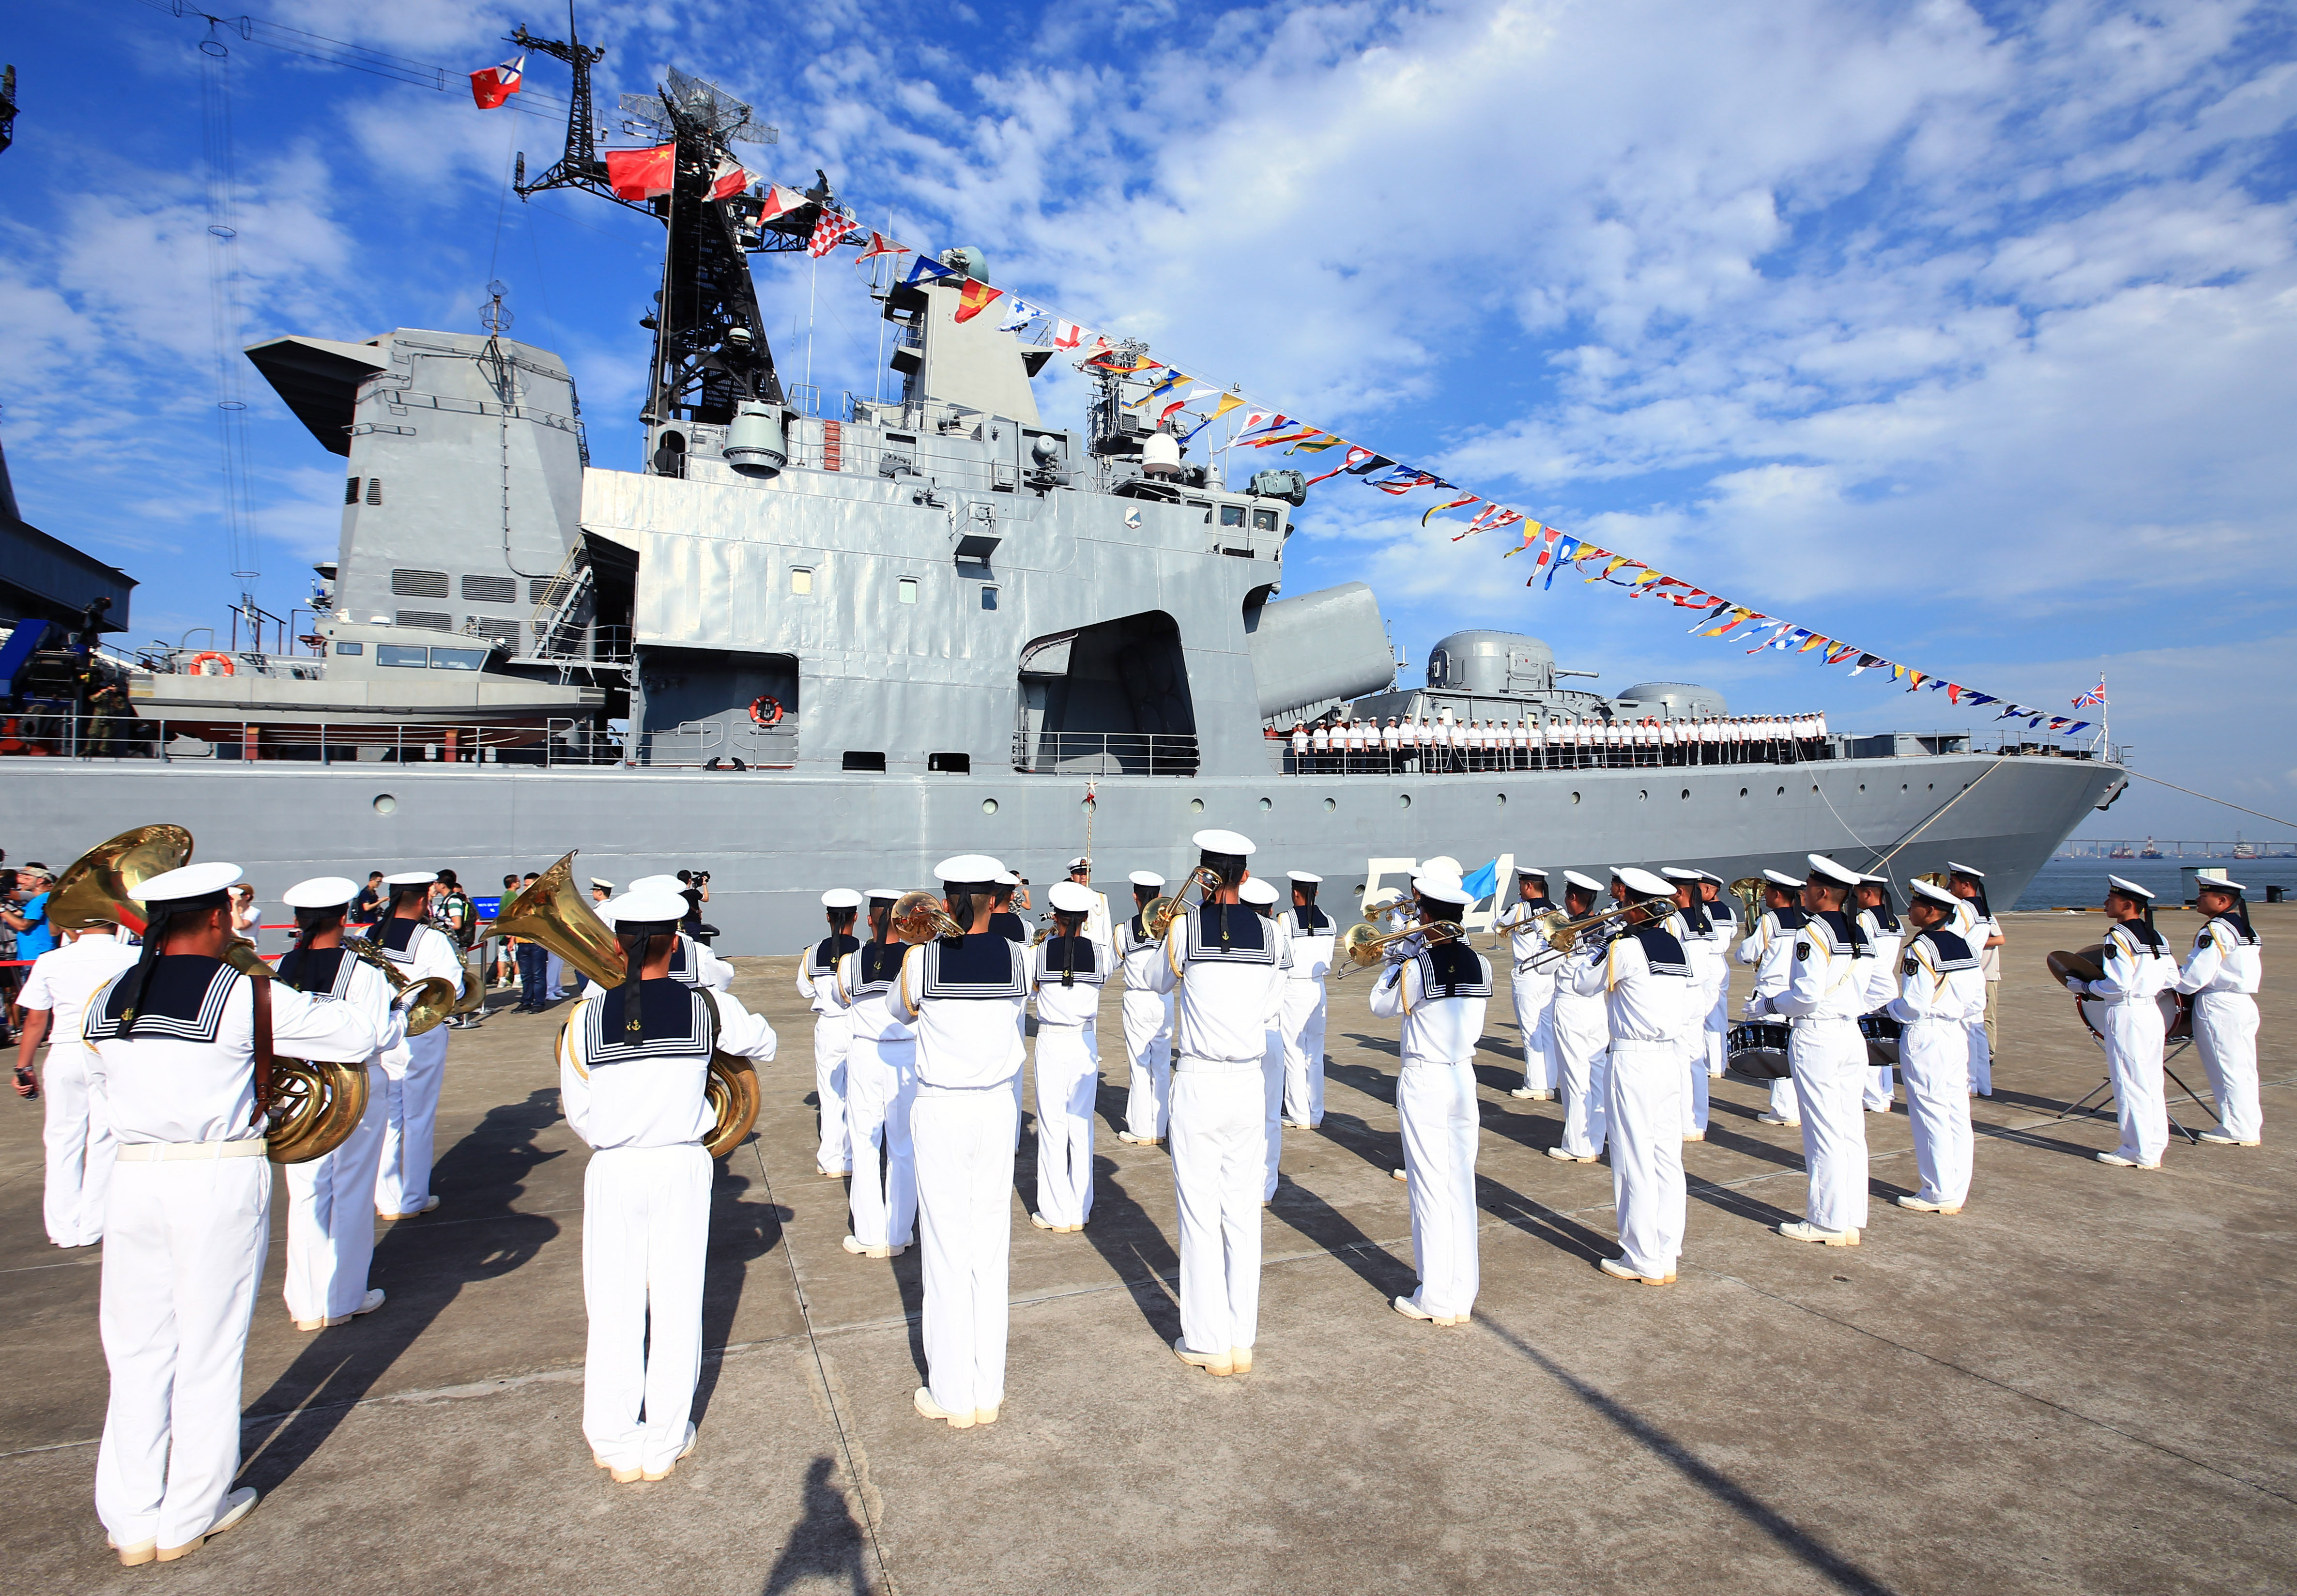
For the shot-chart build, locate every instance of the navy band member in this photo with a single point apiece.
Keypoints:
(1643, 978)
(1531, 990)
(1938, 990)
(1767, 948)
(1827, 975)
(881, 1086)
(1148, 1014)
(1002, 920)
(2139, 969)
(1066, 972)
(1441, 992)
(965, 995)
(1977, 926)
(1259, 896)
(1878, 918)
(1311, 934)
(1715, 1028)
(1579, 1027)
(76, 1130)
(1224, 962)
(416, 1068)
(2223, 974)
(833, 1028)
(633, 1067)
(183, 1043)
(691, 963)
(331, 1199)
(1704, 946)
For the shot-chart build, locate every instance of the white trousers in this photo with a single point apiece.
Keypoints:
(410, 1119)
(1880, 1090)
(1272, 1101)
(1785, 1102)
(881, 1087)
(1581, 1072)
(1715, 1027)
(331, 1217)
(76, 1135)
(645, 1236)
(1694, 1082)
(963, 1142)
(1934, 1060)
(833, 1039)
(1220, 1163)
(2225, 1030)
(1068, 1079)
(1436, 1103)
(2133, 1057)
(183, 1260)
(1148, 1051)
(1534, 995)
(1303, 1052)
(1828, 1059)
(1645, 1083)
(1981, 1057)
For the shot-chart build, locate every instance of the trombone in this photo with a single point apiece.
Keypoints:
(1161, 914)
(1563, 934)
(1363, 944)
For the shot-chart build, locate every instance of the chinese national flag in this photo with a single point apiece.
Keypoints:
(974, 298)
(642, 173)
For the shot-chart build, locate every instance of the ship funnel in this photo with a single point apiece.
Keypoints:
(1160, 455)
(756, 443)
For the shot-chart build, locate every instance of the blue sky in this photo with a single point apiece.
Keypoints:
(1966, 332)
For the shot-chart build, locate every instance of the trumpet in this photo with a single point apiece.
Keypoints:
(919, 918)
(427, 1001)
(1158, 917)
(1363, 944)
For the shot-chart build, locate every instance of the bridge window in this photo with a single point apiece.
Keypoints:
(906, 589)
(802, 579)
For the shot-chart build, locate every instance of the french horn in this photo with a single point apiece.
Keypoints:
(1158, 917)
(556, 913)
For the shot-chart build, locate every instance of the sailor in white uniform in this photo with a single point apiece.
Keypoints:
(1312, 934)
(1767, 948)
(1067, 972)
(1579, 1037)
(1829, 970)
(1716, 1026)
(1705, 947)
(1977, 926)
(1225, 963)
(1148, 1017)
(1532, 990)
(2139, 969)
(1441, 991)
(416, 1068)
(833, 1028)
(2223, 974)
(1259, 896)
(1098, 926)
(76, 1131)
(1878, 918)
(633, 1069)
(1939, 985)
(183, 1042)
(1644, 979)
(331, 1198)
(881, 1087)
(965, 995)
(690, 964)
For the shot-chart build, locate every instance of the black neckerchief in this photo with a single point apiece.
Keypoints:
(1453, 965)
(312, 969)
(1847, 931)
(829, 950)
(1070, 954)
(1310, 919)
(398, 933)
(881, 961)
(1793, 917)
(1661, 952)
(1695, 917)
(1139, 930)
(2144, 935)
(1009, 926)
(2237, 916)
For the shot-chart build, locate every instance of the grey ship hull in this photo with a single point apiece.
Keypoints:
(773, 842)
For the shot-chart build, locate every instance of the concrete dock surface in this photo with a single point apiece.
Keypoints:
(2086, 1382)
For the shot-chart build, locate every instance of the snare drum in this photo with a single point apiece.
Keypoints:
(1757, 1049)
(1881, 1034)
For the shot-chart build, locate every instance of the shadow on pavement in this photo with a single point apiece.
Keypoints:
(1327, 1228)
(1134, 1249)
(741, 1231)
(826, 1544)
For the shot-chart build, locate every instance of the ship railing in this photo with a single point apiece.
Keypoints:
(1105, 753)
(557, 743)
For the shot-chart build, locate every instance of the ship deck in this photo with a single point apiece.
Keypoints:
(2087, 1382)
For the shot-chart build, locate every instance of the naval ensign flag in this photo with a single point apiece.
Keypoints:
(491, 86)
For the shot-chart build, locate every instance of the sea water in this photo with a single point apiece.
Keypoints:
(2080, 882)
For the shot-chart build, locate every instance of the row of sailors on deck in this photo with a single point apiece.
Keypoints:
(1425, 744)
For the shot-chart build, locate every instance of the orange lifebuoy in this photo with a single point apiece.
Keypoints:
(765, 709)
(204, 655)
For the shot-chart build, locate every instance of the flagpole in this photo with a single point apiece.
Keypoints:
(814, 286)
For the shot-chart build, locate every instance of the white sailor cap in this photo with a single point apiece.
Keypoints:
(1677, 873)
(1145, 878)
(968, 868)
(668, 884)
(1523, 870)
(2129, 888)
(1936, 894)
(836, 896)
(1586, 883)
(1873, 881)
(1308, 876)
(1071, 899)
(1793, 884)
(1959, 870)
(1839, 874)
(1643, 884)
(411, 878)
(1080, 863)
(1257, 891)
(1711, 875)
(1233, 843)
(1443, 886)
(2206, 883)
(321, 892)
(1443, 864)
(602, 884)
(883, 895)
(649, 905)
(186, 885)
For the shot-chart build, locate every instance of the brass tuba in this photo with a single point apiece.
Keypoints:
(93, 889)
(1158, 917)
(919, 918)
(432, 1000)
(1748, 891)
(555, 912)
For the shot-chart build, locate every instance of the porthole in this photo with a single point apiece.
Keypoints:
(1575, 797)
(989, 806)
(1331, 804)
(1500, 798)
(1196, 806)
(1742, 792)
(1686, 792)
(1404, 800)
(1267, 803)
(1783, 792)
(384, 803)
(1085, 804)
(1902, 787)
(1814, 787)
(1862, 787)
(1644, 796)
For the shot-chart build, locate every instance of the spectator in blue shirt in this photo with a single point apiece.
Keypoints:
(29, 922)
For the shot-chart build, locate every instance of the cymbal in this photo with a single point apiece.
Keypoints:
(2087, 965)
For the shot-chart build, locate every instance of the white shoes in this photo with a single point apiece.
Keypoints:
(1570, 1157)
(428, 1203)
(663, 1472)
(1400, 1174)
(1919, 1206)
(861, 1249)
(1411, 1310)
(2119, 1161)
(929, 1409)
(1804, 1231)
(1145, 1141)
(2225, 1139)
(1616, 1268)
(1772, 1119)
(236, 1506)
(1043, 1223)
(1694, 1136)
(1535, 1093)
(1222, 1364)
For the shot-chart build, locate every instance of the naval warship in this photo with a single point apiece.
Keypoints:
(811, 645)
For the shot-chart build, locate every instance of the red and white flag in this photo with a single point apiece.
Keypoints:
(1067, 335)
(879, 244)
(828, 231)
(730, 178)
(781, 201)
(491, 86)
(642, 173)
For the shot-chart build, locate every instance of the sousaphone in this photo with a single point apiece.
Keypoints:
(311, 1105)
(555, 912)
